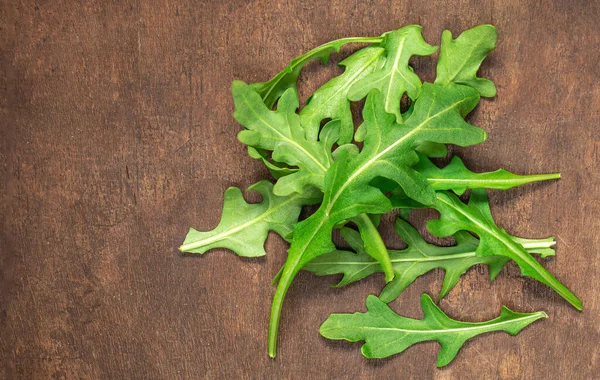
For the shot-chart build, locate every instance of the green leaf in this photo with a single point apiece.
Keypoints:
(331, 101)
(280, 132)
(389, 152)
(456, 177)
(386, 333)
(434, 150)
(396, 77)
(244, 227)
(417, 259)
(400, 200)
(276, 169)
(271, 91)
(460, 59)
(477, 217)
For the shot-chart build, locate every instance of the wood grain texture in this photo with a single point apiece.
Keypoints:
(117, 135)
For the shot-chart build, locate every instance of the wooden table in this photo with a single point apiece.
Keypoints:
(117, 135)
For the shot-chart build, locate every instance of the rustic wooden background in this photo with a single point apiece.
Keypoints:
(117, 135)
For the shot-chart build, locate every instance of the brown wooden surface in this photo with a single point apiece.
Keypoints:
(117, 135)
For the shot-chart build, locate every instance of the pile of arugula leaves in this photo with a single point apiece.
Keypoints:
(313, 159)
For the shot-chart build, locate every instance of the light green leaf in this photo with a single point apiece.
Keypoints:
(386, 333)
(417, 259)
(460, 59)
(244, 227)
(271, 91)
(477, 218)
(396, 77)
(331, 101)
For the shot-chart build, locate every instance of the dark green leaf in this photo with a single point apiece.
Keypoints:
(417, 259)
(477, 217)
(280, 131)
(420, 257)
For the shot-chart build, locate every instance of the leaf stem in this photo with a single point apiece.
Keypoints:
(530, 246)
(285, 281)
(374, 244)
(487, 183)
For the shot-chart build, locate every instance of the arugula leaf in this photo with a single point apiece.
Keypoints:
(460, 59)
(280, 132)
(271, 91)
(244, 227)
(276, 169)
(456, 177)
(388, 152)
(396, 77)
(386, 333)
(331, 101)
(417, 259)
(477, 217)
(433, 150)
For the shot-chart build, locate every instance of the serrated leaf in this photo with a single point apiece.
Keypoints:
(396, 77)
(331, 101)
(280, 132)
(460, 59)
(244, 227)
(456, 177)
(287, 78)
(477, 218)
(417, 259)
(389, 152)
(386, 333)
